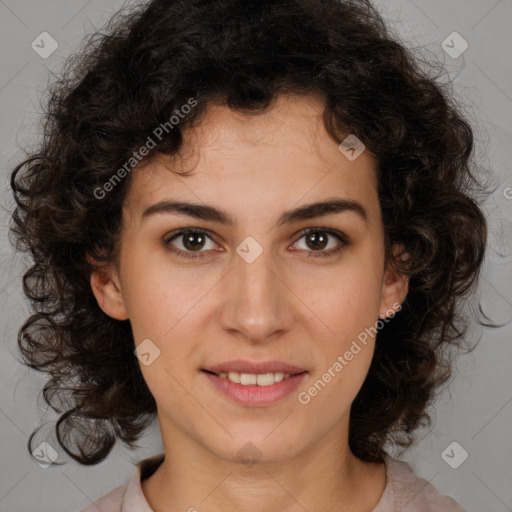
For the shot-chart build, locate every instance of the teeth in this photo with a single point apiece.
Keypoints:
(248, 379)
(251, 379)
(232, 376)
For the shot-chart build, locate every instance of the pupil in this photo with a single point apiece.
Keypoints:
(189, 241)
(317, 238)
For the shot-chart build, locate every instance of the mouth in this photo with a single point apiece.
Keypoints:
(254, 389)
(254, 379)
(255, 383)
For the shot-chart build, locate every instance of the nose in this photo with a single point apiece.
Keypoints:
(258, 301)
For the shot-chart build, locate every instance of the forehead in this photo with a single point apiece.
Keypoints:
(258, 164)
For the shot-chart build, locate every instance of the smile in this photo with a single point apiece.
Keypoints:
(255, 389)
(251, 379)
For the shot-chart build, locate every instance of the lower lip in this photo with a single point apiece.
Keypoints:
(254, 395)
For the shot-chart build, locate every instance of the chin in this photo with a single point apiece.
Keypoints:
(255, 450)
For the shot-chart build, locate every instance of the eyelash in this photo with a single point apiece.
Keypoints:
(311, 254)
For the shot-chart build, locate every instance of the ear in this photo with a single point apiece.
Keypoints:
(106, 287)
(394, 285)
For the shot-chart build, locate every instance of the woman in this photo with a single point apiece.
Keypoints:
(255, 220)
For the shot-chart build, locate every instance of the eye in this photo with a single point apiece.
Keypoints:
(193, 240)
(317, 239)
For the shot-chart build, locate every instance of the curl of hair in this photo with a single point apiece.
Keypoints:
(130, 78)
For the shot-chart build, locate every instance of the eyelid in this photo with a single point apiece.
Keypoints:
(182, 231)
(333, 232)
(301, 233)
(342, 238)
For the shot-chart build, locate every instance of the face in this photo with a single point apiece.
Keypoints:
(258, 289)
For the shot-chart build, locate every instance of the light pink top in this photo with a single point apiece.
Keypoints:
(404, 492)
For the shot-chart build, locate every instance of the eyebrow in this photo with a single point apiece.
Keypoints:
(211, 213)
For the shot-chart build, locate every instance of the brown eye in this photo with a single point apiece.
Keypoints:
(192, 241)
(318, 239)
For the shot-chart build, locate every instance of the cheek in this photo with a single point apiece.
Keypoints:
(347, 303)
(346, 299)
(158, 297)
(172, 354)
(163, 383)
(336, 382)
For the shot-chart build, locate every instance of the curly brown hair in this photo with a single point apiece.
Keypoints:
(130, 78)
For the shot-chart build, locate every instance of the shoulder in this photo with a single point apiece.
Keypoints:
(129, 496)
(110, 502)
(408, 492)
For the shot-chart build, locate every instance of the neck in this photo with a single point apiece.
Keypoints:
(325, 477)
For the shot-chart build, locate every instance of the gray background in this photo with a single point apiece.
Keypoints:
(475, 411)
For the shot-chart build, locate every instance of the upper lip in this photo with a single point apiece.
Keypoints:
(254, 367)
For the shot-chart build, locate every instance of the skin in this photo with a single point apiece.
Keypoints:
(283, 306)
